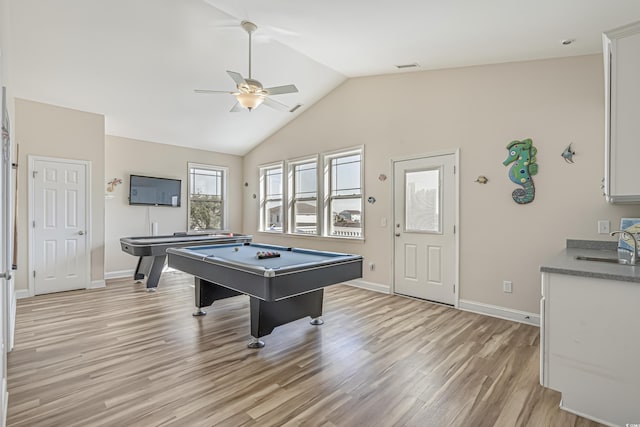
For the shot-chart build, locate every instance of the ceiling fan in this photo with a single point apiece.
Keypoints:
(250, 93)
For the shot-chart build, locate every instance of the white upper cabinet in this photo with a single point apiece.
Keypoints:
(622, 114)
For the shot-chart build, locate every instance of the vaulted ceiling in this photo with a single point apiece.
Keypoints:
(139, 61)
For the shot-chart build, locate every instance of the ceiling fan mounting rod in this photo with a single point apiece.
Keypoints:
(249, 27)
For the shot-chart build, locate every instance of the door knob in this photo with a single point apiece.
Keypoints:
(81, 232)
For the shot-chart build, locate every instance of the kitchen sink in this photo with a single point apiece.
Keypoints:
(610, 260)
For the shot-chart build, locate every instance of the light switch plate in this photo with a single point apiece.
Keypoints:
(507, 286)
(604, 226)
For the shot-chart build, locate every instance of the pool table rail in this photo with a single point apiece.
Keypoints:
(293, 268)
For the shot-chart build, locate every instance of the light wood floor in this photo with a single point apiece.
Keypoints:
(120, 356)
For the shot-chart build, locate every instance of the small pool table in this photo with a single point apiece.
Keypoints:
(151, 250)
(281, 288)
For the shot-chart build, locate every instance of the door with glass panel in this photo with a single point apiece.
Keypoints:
(424, 221)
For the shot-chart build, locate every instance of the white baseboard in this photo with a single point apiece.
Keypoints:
(500, 312)
(589, 417)
(376, 287)
(96, 284)
(5, 402)
(118, 274)
(22, 293)
(25, 293)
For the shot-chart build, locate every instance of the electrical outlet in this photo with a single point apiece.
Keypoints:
(604, 226)
(507, 286)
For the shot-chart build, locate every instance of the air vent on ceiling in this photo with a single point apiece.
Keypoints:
(403, 66)
(295, 108)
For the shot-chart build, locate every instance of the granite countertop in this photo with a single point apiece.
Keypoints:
(565, 262)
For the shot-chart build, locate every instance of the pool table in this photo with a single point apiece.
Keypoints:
(281, 289)
(152, 254)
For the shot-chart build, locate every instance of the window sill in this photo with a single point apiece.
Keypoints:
(312, 236)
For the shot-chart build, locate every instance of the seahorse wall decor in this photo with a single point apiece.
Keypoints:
(523, 156)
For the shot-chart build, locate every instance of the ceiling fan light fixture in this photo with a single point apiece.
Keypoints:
(249, 100)
(250, 94)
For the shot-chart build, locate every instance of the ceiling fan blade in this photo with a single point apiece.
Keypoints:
(237, 77)
(275, 104)
(236, 108)
(212, 91)
(279, 90)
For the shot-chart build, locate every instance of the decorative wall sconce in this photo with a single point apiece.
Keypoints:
(382, 177)
(112, 184)
(481, 179)
(371, 199)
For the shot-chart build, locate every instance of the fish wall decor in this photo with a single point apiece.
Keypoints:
(568, 154)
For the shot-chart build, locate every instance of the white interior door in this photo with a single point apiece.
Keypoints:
(424, 221)
(60, 256)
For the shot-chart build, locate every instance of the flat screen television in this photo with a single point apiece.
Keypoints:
(151, 191)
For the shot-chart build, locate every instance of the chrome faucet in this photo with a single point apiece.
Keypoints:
(634, 254)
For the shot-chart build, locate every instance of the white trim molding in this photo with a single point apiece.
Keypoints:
(370, 286)
(4, 394)
(500, 312)
(96, 284)
(12, 319)
(121, 274)
(23, 293)
(589, 417)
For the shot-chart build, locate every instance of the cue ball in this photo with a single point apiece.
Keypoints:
(235, 249)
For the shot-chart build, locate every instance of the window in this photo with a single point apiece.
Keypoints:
(304, 200)
(422, 201)
(207, 204)
(311, 197)
(344, 201)
(271, 211)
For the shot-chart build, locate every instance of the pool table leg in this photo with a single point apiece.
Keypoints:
(142, 269)
(156, 270)
(255, 343)
(267, 315)
(206, 293)
(150, 266)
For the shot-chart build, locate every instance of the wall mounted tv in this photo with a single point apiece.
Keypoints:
(150, 191)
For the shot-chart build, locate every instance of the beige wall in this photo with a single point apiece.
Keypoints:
(478, 110)
(129, 156)
(51, 131)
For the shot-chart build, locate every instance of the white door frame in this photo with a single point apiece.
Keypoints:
(87, 164)
(456, 202)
